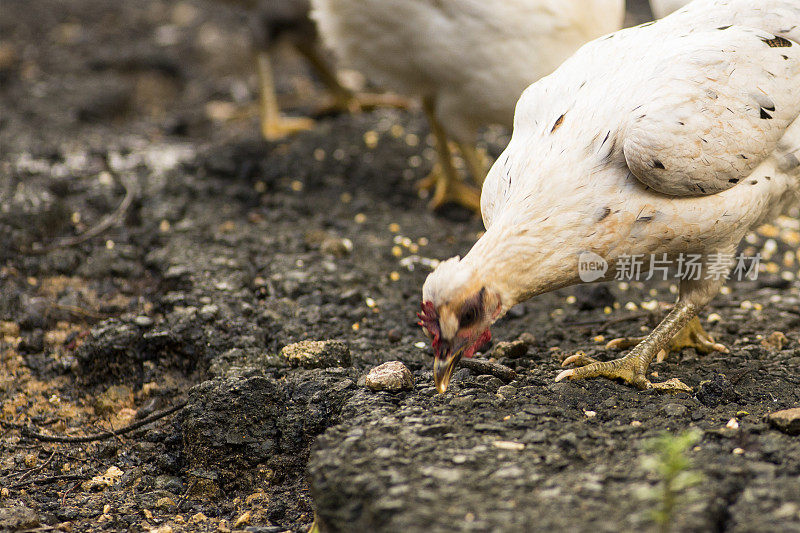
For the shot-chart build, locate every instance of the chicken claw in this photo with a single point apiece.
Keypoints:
(369, 101)
(633, 367)
(579, 358)
(691, 336)
(449, 188)
(629, 369)
(281, 127)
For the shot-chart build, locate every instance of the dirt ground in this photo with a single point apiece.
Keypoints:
(210, 250)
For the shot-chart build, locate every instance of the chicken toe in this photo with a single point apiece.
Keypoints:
(449, 188)
(632, 368)
(281, 127)
(691, 336)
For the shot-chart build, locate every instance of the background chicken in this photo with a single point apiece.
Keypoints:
(670, 138)
(273, 21)
(467, 60)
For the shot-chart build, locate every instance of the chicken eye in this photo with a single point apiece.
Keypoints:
(468, 317)
(472, 309)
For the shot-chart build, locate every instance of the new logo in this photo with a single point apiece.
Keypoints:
(591, 267)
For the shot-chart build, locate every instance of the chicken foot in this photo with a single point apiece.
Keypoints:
(275, 126)
(345, 99)
(444, 179)
(633, 367)
(692, 335)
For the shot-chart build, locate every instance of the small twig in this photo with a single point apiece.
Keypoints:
(80, 311)
(482, 366)
(64, 497)
(51, 479)
(15, 426)
(131, 192)
(112, 430)
(28, 432)
(38, 468)
(185, 495)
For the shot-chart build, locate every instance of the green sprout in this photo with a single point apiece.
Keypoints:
(669, 462)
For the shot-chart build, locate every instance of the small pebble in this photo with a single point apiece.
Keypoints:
(207, 312)
(674, 410)
(534, 436)
(165, 503)
(775, 341)
(9, 329)
(243, 520)
(508, 445)
(392, 376)
(337, 247)
(507, 391)
(143, 321)
(514, 349)
(787, 420)
(482, 366)
(317, 354)
(198, 518)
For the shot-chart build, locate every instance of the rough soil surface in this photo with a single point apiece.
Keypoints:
(227, 249)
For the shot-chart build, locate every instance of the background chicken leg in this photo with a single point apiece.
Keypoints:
(477, 161)
(443, 179)
(343, 98)
(274, 125)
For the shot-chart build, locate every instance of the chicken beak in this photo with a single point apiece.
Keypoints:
(443, 367)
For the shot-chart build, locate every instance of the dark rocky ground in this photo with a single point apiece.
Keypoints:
(231, 248)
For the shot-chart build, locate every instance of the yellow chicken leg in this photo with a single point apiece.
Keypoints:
(274, 125)
(345, 99)
(477, 161)
(443, 179)
(691, 336)
(632, 367)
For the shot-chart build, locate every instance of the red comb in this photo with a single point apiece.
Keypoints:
(429, 320)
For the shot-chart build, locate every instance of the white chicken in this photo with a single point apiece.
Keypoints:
(467, 60)
(675, 137)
